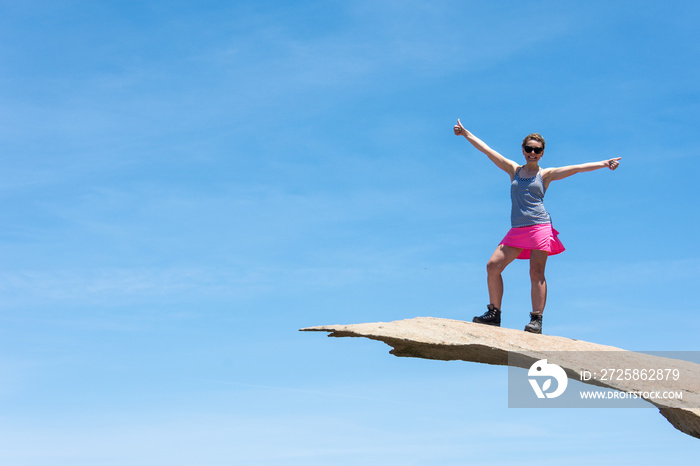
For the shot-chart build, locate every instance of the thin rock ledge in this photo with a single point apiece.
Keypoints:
(448, 340)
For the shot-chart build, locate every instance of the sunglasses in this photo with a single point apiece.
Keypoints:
(528, 149)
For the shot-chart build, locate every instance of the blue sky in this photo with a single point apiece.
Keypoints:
(186, 184)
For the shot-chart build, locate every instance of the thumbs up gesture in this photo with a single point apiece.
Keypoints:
(459, 129)
(614, 163)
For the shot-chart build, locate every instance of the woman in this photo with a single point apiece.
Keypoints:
(531, 235)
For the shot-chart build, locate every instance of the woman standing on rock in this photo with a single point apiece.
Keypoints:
(531, 235)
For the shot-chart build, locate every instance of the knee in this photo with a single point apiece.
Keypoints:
(537, 274)
(494, 267)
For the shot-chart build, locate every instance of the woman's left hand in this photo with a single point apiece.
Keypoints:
(614, 163)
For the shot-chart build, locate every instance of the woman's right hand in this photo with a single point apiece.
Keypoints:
(459, 129)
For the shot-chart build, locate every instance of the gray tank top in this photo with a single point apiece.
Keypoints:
(527, 196)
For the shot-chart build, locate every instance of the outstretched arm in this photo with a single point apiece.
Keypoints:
(501, 162)
(552, 174)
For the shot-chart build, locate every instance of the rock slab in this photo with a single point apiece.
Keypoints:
(448, 340)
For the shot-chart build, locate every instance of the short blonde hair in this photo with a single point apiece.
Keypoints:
(534, 137)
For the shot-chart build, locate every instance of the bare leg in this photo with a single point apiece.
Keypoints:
(538, 261)
(501, 257)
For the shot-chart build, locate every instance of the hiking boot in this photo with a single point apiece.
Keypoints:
(535, 325)
(490, 317)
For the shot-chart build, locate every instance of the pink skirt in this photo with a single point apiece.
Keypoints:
(541, 237)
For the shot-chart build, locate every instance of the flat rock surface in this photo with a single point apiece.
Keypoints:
(445, 339)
